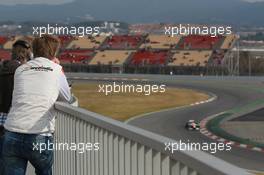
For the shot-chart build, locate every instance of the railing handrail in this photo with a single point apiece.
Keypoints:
(198, 160)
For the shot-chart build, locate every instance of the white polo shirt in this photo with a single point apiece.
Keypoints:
(38, 84)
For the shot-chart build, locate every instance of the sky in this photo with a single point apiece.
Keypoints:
(13, 2)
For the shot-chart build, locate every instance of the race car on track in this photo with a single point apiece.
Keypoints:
(192, 125)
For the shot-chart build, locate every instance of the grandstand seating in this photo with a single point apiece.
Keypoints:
(229, 40)
(146, 57)
(123, 42)
(10, 42)
(160, 42)
(114, 57)
(3, 40)
(91, 42)
(190, 58)
(5, 54)
(138, 50)
(65, 40)
(76, 56)
(199, 42)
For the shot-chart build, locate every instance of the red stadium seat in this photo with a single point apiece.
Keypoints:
(65, 40)
(199, 42)
(76, 56)
(123, 42)
(149, 57)
(5, 54)
(3, 40)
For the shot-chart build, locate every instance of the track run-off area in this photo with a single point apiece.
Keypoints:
(233, 94)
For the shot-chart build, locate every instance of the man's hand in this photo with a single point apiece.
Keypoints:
(56, 60)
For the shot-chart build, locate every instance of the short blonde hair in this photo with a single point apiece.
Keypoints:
(46, 46)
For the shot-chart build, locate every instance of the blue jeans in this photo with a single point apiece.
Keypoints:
(18, 149)
(1, 157)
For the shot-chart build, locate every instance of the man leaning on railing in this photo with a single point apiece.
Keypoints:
(38, 84)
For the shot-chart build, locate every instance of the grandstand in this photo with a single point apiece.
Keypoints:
(65, 40)
(90, 42)
(228, 41)
(3, 40)
(190, 58)
(200, 42)
(140, 53)
(160, 42)
(149, 57)
(5, 54)
(125, 42)
(110, 57)
(76, 56)
(8, 45)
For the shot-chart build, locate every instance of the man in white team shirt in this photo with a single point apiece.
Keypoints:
(38, 84)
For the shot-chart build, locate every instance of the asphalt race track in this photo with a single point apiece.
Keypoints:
(231, 92)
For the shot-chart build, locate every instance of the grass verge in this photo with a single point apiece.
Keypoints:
(122, 106)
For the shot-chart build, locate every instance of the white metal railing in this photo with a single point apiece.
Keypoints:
(30, 170)
(124, 149)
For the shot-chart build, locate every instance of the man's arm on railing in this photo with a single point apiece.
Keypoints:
(64, 92)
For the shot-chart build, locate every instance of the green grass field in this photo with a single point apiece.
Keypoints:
(122, 106)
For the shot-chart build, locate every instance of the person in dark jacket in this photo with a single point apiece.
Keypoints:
(21, 53)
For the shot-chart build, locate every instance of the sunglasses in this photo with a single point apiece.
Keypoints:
(22, 43)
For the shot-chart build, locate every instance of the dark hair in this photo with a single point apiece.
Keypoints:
(22, 43)
(21, 50)
(46, 46)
